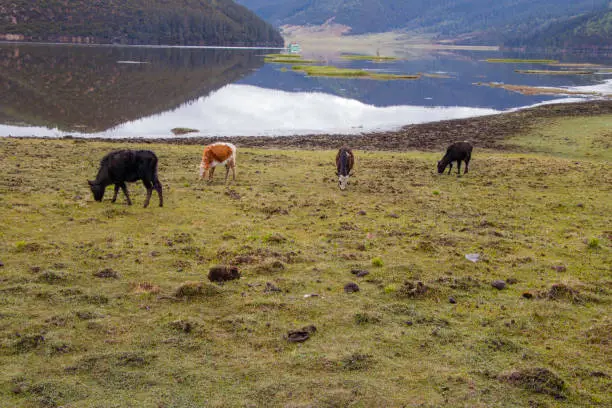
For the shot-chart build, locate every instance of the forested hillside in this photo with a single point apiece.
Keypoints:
(589, 30)
(492, 21)
(173, 22)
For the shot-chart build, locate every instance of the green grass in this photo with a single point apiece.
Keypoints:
(155, 332)
(521, 61)
(570, 138)
(331, 71)
(372, 58)
(287, 59)
(553, 72)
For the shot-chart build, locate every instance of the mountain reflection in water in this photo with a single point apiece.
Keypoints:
(92, 89)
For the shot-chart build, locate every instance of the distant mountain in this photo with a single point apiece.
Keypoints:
(493, 20)
(171, 22)
(585, 31)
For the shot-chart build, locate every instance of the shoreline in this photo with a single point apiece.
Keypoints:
(483, 131)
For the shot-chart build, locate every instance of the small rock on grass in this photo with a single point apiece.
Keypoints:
(498, 284)
(452, 300)
(1, 264)
(222, 273)
(360, 273)
(270, 288)
(107, 273)
(351, 287)
(528, 295)
(303, 334)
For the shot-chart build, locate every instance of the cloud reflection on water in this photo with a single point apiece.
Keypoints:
(246, 110)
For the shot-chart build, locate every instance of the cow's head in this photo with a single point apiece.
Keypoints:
(441, 167)
(97, 190)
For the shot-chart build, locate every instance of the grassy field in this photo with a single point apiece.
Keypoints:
(105, 305)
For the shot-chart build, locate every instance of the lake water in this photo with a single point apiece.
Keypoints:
(118, 92)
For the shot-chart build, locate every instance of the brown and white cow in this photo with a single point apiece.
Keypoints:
(216, 154)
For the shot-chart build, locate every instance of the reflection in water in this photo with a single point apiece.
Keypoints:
(92, 89)
(49, 90)
(272, 112)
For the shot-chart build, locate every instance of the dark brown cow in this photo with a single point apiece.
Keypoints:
(344, 164)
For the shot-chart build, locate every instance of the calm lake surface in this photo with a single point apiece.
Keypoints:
(119, 92)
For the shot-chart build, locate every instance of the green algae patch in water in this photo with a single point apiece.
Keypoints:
(521, 61)
(553, 72)
(287, 59)
(330, 71)
(371, 58)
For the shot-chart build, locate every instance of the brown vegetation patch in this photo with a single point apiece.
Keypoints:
(145, 287)
(561, 291)
(414, 290)
(601, 334)
(538, 380)
(196, 289)
(106, 273)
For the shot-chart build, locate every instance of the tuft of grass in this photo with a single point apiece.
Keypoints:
(594, 243)
(196, 289)
(377, 261)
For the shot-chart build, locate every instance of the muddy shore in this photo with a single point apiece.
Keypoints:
(485, 132)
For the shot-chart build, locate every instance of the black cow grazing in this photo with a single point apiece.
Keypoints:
(344, 164)
(127, 165)
(456, 152)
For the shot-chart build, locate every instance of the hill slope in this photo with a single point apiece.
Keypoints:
(593, 29)
(447, 17)
(188, 22)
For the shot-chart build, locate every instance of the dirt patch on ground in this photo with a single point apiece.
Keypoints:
(484, 132)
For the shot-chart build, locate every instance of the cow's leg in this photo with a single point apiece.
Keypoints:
(125, 191)
(227, 169)
(149, 188)
(450, 167)
(467, 162)
(158, 187)
(116, 192)
(233, 167)
(458, 167)
(211, 172)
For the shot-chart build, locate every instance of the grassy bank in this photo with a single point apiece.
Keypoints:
(94, 310)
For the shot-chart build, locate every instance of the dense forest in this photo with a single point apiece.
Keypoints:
(585, 31)
(486, 21)
(85, 90)
(169, 22)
